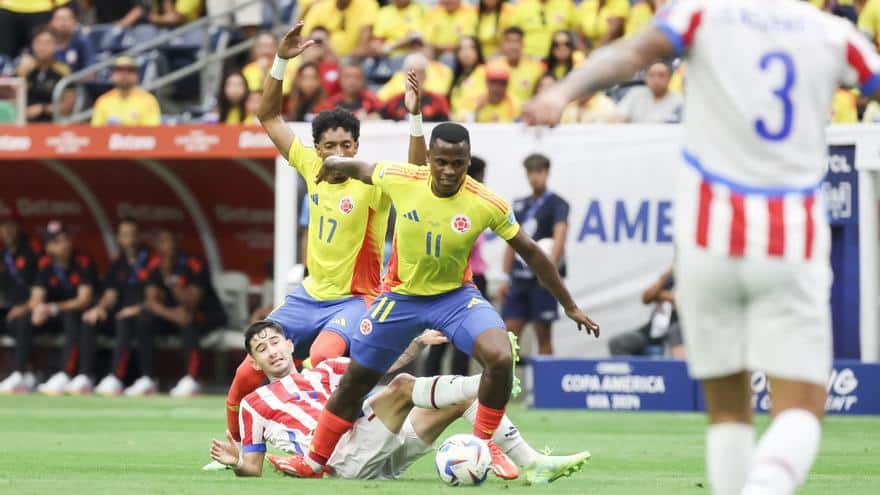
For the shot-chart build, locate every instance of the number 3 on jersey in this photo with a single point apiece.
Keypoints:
(783, 92)
(330, 229)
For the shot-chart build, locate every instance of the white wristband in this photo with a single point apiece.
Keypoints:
(53, 309)
(415, 125)
(279, 67)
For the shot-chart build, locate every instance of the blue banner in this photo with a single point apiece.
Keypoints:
(631, 385)
(643, 384)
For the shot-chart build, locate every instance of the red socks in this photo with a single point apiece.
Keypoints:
(487, 421)
(246, 380)
(328, 345)
(330, 429)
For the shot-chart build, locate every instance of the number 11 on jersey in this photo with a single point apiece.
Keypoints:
(436, 243)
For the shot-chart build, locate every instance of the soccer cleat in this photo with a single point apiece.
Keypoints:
(215, 466)
(80, 385)
(502, 466)
(549, 468)
(17, 383)
(109, 386)
(294, 465)
(516, 388)
(186, 387)
(55, 385)
(141, 387)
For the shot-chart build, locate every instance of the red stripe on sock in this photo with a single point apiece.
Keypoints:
(122, 366)
(737, 225)
(70, 366)
(487, 421)
(810, 227)
(192, 368)
(433, 389)
(705, 209)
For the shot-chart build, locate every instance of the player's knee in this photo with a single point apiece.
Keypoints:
(402, 385)
(498, 361)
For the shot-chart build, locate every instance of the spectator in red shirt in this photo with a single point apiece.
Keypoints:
(435, 106)
(355, 97)
(322, 55)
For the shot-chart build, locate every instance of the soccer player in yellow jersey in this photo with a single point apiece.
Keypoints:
(347, 224)
(441, 212)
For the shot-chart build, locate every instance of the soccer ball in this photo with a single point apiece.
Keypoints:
(463, 460)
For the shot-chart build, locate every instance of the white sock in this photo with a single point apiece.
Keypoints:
(784, 454)
(437, 392)
(507, 437)
(728, 454)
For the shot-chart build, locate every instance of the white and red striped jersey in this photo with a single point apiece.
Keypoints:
(760, 78)
(284, 413)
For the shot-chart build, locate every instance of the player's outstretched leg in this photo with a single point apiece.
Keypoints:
(730, 436)
(788, 448)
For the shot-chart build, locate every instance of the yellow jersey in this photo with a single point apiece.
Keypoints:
(523, 77)
(189, 9)
(254, 76)
(559, 70)
(31, 6)
(433, 236)
(444, 28)
(844, 109)
(490, 29)
(394, 24)
(503, 112)
(345, 26)
(466, 94)
(438, 80)
(593, 19)
(140, 108)
(234, 117)
(639, 17)
(539, 20)
(347, 225)
(869, 20)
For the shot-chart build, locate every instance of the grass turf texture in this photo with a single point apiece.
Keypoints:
(73, 446)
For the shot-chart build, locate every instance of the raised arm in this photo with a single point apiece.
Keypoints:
(418, 150)
(547, 274)
(607, 66)
(269, 111)
(350, 167)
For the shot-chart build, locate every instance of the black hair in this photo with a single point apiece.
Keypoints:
(223, 104)
(41, 29)
(568, 63)
(515, 30)
(460, 73)
(477, 167)
(451, 133)
(483, 10)
(336, 118)
(126, 219)
(258, 327)
(536, 161)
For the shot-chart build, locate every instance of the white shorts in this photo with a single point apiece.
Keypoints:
(370, 451)
(741, 314)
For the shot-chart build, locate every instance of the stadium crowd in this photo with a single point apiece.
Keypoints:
(478, 62)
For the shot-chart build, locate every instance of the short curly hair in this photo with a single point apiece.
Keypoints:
(336, 118)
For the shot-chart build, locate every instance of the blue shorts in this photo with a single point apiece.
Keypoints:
(529, 301)
(388, 327)
(303, 317)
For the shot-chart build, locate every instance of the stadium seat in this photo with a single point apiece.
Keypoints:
(7, 66)
(232, 288)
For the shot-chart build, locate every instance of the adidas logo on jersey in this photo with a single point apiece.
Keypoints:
(413, 215)
(474, 301)
(314, 198)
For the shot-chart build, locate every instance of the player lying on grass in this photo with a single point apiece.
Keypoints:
(398, 424)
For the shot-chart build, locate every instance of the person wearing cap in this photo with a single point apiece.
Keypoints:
(543, 216)
(18, 271)
(63, 290)
(179, 299)
(43, 73)
(127, 103)
(498, 106)
(396, 25)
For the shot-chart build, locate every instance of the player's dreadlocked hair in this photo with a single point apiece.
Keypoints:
(451, 133)
(336, 118)
(258, 327)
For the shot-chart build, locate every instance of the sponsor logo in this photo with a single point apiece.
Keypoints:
(150, 213)
(228, 214)
(131, 142)
(251, 140)
(197, 141)
(413, 215)
(627, 384)
(28, 207)
(474, 301)
(346, 205)
(511, 217)
(15, 143)
(461, 223)
(339, 321)
(67, 142)
(842, 388)
(366, 326)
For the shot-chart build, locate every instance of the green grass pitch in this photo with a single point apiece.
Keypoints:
(72, 446)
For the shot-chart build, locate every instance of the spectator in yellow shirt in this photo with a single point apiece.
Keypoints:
(262, 54)
(349, 22)
(869, 20)
(447, 23)
(539, 19)
(844, 109)
(602, 21)
(468, 80)
(232, 101)
(640, 15)
(561, 55)
(493, 16)
(127, 104)
(19, 19)
(172, 13)
(498, 105)
(524, 71)
(438, 76)
(396, 24)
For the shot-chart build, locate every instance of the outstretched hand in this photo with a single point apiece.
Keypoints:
(583, 321)
(412, 98)
(225, 452)
(292, 44)
(545, 109)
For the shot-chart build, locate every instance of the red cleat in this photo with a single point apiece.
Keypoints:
(502, 466)
(294, 465)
